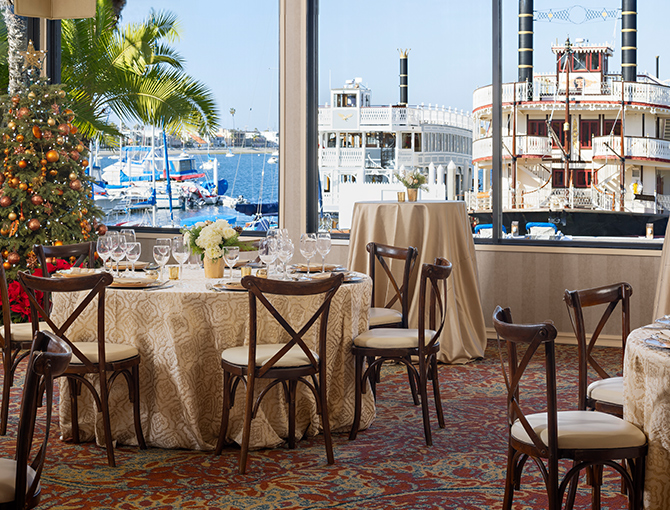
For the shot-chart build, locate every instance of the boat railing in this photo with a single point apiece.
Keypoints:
(662, 203)
(602, 199)
(526, 146)
(609, 147)
(651, 94)
(343, 157)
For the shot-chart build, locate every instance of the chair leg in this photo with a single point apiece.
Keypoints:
(225, 413)
(375, 375)
(436, 391)
(248, 408)
(75, 388)
(509, 480)
(412, 385)
(135, 372)
(325, 418)
(106, 422)
(423, 389)
(292, 386)
(358, 383)
(6, 388)
(596, 480)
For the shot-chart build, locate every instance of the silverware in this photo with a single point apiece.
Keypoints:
(163, 285)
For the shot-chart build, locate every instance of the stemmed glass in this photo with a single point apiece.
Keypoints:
(267, 251)
(118, 250)
(129, 234)
(308, 247)
(133, 251)
(181, 252)
(231, 254)
(323, 247)
(104, 249)
(161, 255)
(285, 253)
(274, 234)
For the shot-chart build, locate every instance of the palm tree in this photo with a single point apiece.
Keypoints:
(133, 72)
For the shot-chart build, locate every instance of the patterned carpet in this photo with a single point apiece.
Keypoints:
(387, 466)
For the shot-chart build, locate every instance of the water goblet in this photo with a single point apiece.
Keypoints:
(181, 252)
(104, 249)
(231, 254)
(129, 234)
(285, 253)
(267, 251)
(161, 256)
(308, 247)
(275, 234)
(323, 247)
(118, 250)
(133, 251)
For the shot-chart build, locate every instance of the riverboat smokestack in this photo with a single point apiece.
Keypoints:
(526, 41)
(403, 77)
(629, 40)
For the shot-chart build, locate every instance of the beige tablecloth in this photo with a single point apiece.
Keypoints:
(180, 333)
(436, 229)
(662, 301)
(646, 396)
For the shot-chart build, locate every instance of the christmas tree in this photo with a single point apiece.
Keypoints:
(45, 193)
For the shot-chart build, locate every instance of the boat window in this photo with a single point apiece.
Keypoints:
(594, 61)
(389, 141)
(537, 127)
(406, 141)
(579, 62)
(588, 128)
(612, 127)
(372, 139)
(417, 142)
(331, 140)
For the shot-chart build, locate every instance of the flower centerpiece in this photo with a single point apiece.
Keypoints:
(209, 240)
(413, 181)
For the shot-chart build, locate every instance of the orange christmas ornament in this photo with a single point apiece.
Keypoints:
(52, 156)
(37, 132)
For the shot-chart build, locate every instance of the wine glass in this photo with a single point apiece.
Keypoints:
(274, 234)
(161, 255)
(133, 251)
(267, 251)
(323, 247)
(285, 253)
(308, 247)
(104, 249)
(181, 252)
(118, 250)
(129, 234)
(231, 254)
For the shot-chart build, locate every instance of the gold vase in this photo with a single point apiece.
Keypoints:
(412, 194)
(401, 196)
(213, 268)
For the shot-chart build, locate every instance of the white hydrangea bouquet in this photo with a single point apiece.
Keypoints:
(209, 238)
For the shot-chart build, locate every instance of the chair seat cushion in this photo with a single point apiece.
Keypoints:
(8, 479)
(23, 331)
(113, 352)
(295, 357)
(608, 390)
(585, 430)
(379, 316)
(392, 338)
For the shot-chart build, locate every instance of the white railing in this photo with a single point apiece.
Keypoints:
(542, 90)
(341, 158)
(394, 117)
(537, 146)
(636, 147)
(602, 200)
(662, 203)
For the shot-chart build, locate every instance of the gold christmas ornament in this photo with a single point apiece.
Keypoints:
(52, 156)
(11, 124)
(51, 122)
(20, 138)
(12, 216)
(72, 176)
(31, 95)
(60, 140)
(53, 172)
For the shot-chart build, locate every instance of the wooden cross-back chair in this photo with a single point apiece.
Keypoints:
(20, 477)
(107, 360)
(386, 315)
(399, 345)
(606, 393)
(590, 439)
(287, 363)
(15, 340)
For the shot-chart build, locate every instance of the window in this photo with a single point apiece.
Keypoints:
(406, 141)
(588, 129)
(594, 61)
(417, 142)
(579, 62)
(537, 127)
(372, 140)
(582, 178)
(612, 127)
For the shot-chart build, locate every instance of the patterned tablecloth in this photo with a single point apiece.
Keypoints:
(646, 396)
(180, 333)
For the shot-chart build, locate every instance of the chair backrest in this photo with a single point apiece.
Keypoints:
(433, 280)
(530, 337)
(84, 253)
(261, 288)
(94, 283)
(6, 312)
(608, 297)
(49, 358)
(382, 252)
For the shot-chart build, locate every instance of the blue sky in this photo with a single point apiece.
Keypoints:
(233, 47)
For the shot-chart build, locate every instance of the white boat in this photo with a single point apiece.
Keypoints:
(362, 146)
(580, 143)
(272, 160)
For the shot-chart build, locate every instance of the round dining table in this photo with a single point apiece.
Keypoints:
(646, 394)
(180, 330)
